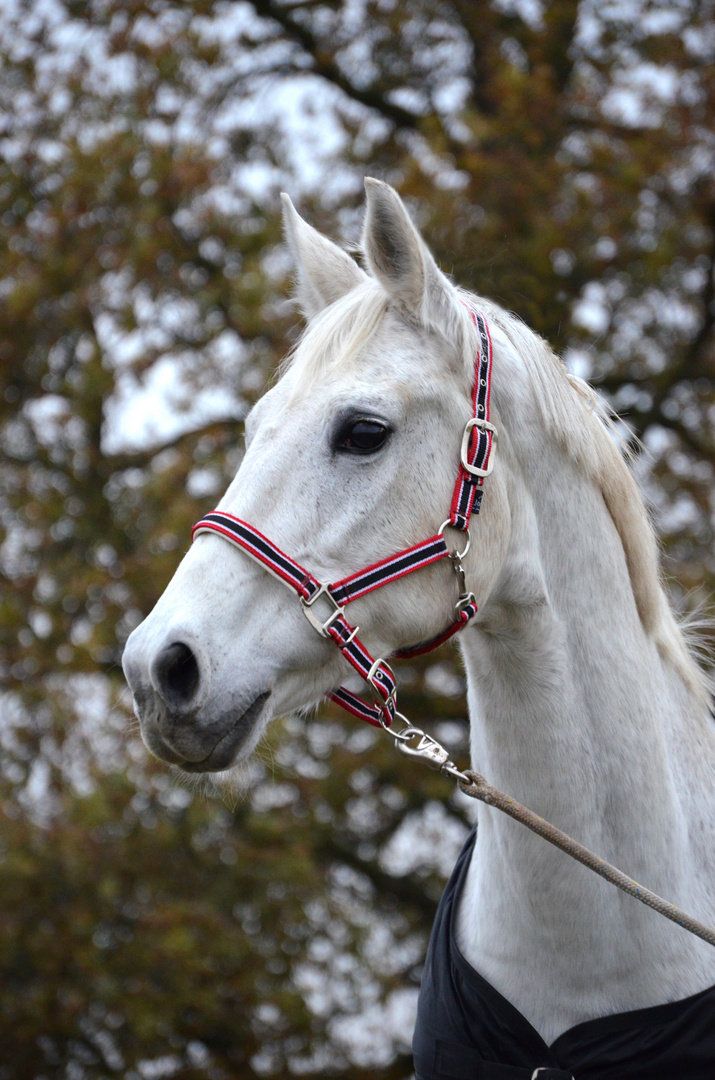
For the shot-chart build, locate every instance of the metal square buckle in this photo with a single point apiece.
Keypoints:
(484, 425)
(307, 606)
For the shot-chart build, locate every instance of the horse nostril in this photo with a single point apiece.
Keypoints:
(176, 674)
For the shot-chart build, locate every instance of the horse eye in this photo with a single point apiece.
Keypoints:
(362, 437)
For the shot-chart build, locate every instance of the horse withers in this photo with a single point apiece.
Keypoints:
(585, 702)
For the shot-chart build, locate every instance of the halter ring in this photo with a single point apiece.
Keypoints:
(456, 554)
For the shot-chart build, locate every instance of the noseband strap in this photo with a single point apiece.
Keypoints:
(324, 605)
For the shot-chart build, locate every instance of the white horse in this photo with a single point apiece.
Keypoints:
(585, 702)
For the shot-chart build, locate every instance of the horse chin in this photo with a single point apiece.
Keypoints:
(235, 745)
(226, 743)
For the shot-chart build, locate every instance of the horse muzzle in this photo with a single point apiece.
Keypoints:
(179, 721)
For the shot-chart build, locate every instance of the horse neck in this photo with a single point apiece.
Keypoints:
(576, 713)
(561, 669)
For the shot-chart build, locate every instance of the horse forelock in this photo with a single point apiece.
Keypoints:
(336, 339)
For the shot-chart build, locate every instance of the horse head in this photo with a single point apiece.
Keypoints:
(350, 457)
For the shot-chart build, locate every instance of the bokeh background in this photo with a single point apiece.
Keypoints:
(559, 157)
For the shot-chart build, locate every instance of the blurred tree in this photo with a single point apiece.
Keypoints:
(559, 158)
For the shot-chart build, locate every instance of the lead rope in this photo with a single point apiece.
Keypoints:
(476, 787)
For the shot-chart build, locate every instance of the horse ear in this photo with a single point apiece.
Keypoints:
(324, 271)
(399, 258)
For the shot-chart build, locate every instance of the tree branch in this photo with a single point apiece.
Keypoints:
(690, 440)
(475, 23)
(691, 365)
(137, 459)
(560, 23)
(325, 66)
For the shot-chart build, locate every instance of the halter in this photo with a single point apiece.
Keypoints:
(324, 604)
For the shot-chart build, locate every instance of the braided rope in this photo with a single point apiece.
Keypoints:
(478, 788)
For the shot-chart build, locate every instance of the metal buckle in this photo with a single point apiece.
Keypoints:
(545, 1069)
(484, 425)
(323, 627)
(382, 702)
(465, 600)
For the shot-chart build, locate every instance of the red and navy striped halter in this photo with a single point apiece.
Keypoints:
(476, 462)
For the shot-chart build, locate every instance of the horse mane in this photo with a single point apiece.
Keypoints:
(583, 425)
(579, 421)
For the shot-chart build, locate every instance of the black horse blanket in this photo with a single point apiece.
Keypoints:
(466, 1030)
